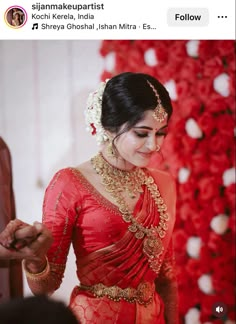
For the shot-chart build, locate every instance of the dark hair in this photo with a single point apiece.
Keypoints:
(36, 310)
(127, 96)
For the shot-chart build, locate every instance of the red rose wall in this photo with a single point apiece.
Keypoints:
(199, 152)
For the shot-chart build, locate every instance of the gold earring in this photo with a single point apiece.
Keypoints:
(110, 150)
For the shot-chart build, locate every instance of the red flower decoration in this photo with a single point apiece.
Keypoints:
(94, 129)
(203, 195)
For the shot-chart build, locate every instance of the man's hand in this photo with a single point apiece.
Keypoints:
(23, 241)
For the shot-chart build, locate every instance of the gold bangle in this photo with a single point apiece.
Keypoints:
(39, 275)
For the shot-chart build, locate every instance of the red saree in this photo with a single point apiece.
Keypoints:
(107, 253)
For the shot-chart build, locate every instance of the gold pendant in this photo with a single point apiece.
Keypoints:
(133, 228)
(152, 246)
(139, 235)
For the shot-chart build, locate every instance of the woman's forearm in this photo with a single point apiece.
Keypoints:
(44, 278)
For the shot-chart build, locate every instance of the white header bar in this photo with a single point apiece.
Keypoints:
(122, 19)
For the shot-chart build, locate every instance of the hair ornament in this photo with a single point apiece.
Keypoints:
(159, 112)
(93, 113)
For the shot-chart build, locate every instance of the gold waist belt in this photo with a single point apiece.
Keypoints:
(143, 294)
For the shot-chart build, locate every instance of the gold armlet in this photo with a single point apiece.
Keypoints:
(39, 275)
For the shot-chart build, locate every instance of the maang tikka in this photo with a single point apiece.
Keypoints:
(159, 112)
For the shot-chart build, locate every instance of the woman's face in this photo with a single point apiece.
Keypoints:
(138, 144)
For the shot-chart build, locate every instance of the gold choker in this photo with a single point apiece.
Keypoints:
(117, 180)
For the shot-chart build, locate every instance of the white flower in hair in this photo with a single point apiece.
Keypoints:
(93, 114)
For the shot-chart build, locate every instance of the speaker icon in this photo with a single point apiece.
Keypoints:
(219, 309)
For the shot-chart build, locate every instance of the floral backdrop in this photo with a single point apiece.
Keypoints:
(199, 152)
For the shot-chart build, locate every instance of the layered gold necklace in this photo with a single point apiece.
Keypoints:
(118, 181)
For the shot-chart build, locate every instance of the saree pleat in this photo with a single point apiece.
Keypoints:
(106, 251)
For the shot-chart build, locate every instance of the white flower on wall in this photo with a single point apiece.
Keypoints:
(205, 284)
(219, 223)
(192, 47)
(192, 316)
(171, 88)
(183, 175)
(192, 128)
(109, 62)
(150, 57)
(221, 84)
(193, 246)
(229, 177)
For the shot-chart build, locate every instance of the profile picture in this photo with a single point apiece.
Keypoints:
(15, 17)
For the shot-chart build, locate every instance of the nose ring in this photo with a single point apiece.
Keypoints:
(158, 148)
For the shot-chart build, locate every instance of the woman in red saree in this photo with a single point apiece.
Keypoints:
(116, 212)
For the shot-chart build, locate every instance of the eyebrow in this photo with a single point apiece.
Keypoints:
(149, 128)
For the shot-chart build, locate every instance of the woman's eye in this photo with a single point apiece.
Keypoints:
(158, 134)
(161, 134)
(141, 134)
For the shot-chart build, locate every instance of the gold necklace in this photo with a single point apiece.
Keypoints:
(115, 184)
(115, 179)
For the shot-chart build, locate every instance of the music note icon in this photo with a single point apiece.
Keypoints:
(35, 26)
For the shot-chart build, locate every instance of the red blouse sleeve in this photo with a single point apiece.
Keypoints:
(60, 212)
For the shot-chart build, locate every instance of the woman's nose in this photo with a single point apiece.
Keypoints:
(152, 143)
(155, 142)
